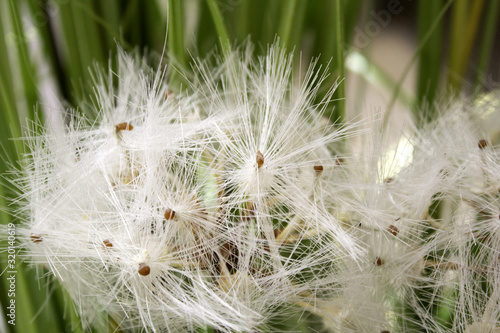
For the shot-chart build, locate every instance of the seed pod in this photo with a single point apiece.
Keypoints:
(144, 269)
(378, 261)
(124, 127)
(259, 159)
(169, 214)
(393, 230)
(318, 168)
(107, 243)
(36, 238)
(482, 144)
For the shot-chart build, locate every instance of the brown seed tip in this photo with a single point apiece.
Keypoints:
(482, 144)
(107, 243)
(378, 261)
(36, 238)
(144, 269)
(385, 331)
(169, 214)
(393, 230)
(339, 161)
(259, 159)
(388, 180)
(124, 127)
(318, 168)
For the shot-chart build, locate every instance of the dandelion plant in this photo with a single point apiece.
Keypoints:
(210, 184)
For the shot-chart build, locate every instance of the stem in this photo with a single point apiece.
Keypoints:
(219, 26)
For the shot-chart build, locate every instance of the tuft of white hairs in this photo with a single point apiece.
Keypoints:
(235, 204)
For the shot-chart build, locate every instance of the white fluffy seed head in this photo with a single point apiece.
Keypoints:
(234, 204)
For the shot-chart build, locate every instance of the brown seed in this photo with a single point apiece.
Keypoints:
(339, 161)
(318, 168)
(385, 331)
(259, 159)
(482, 144)
(144, 269)
(393, 230)
(107, 243)
(36, 238)
(378, 261)
(169, 214)
(388, 180)
(124, 127)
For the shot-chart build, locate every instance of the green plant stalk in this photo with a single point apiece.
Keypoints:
(352, 9)
(219, 26)
(487, 42)
(338, 14)
(286, 23)
(48, 43)
(458, 26)
(466, 18)
(175, 37)
(71, 57)
(88, 38)
(270, 24)
(110, 20)
(429, 67)
(243, 15)
(155, 28)
(331, 46)
(26, 68)
(127, 22)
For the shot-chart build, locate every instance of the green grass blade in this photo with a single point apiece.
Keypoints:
(487, 42)
(289, 11)
(338, 60)
(28, 73)
(352, 10)
(176, 46)
(465, 23)
(331, 45)
(219, 25)
(429, 67)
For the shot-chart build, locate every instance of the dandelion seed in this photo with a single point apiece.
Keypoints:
(107, 243)
(482, 144)
(144, 269)
(393, 230)
(36, 238)
(378, 261)
(124, 127)
(169, 214)
(259, 159)
(318, 168)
